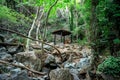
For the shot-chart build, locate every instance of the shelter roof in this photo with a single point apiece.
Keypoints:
(61, 32)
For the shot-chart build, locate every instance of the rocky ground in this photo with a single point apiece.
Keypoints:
(73, 63)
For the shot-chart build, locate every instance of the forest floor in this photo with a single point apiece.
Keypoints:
(73, 61)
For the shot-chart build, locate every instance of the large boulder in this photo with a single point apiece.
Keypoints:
(22, 75)
(14, 49)
(83, 63)
(15, 71)
(29, 59)
(4, 77)
(108, 77)
(60, 74)
(4, 54)
(50, 59)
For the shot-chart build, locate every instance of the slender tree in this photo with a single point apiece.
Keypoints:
(32, 27)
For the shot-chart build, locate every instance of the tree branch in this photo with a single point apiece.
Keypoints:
(48, 13)
(31, 29)
(31, 39)
(10, 44)
(24, 67)
(50, 10)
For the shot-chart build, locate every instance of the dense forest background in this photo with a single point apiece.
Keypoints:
(94, 23)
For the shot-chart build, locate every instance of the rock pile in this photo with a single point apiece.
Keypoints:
(76, 61)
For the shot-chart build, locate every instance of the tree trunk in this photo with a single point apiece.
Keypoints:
(37, 30)
(46, 21)
(94, 32)
(71, 20)
(32, 27)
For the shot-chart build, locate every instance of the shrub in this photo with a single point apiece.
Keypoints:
(111, 66)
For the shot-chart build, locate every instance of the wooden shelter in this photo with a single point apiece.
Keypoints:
(62, 33)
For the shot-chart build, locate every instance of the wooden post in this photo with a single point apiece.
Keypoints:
(71, 38)
(64, 39)
(61, 37)
(55, 39)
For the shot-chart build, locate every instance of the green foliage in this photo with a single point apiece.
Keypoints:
(116, 41)
(13, 20)
(111, 66)
(108, 14)
(79, 30)
(66, 1)
(2, 1)
(13, 17)
(71, 17)
(7, 14)
(82, 42)
(81, 21)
